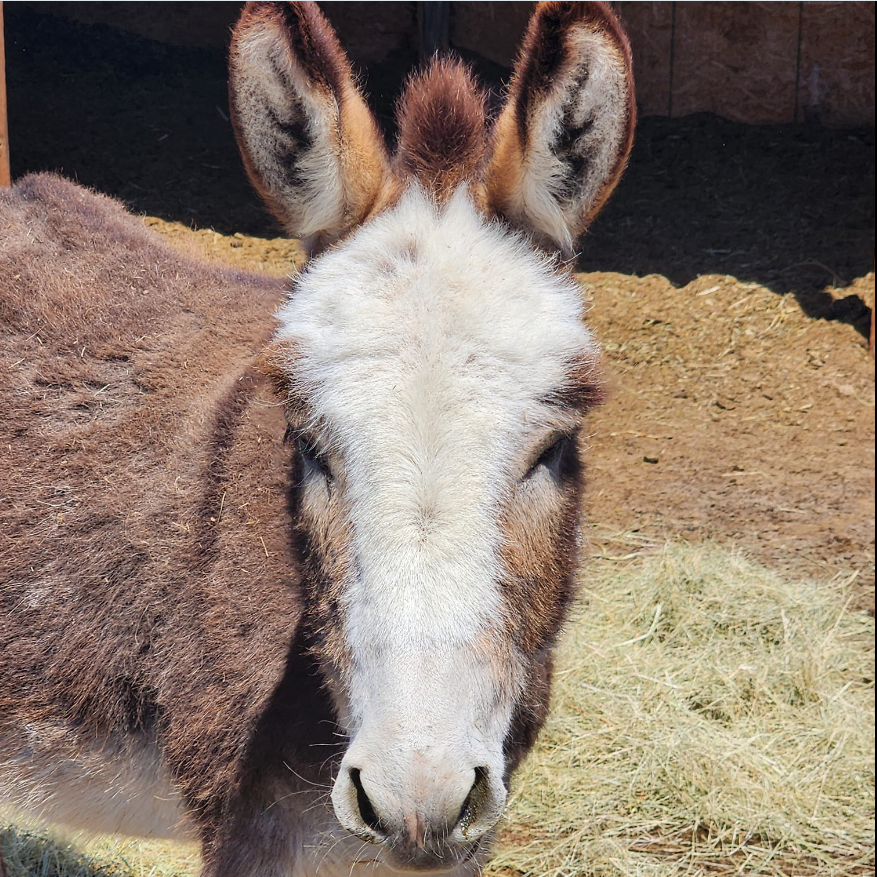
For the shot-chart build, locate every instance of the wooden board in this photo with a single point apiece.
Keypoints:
(5, 175)
(757, 63)
(836, 81)
(737, 60)
(650, 28)
(493, 30)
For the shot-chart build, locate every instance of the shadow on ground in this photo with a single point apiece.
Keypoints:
(29, 855)
(788, 207)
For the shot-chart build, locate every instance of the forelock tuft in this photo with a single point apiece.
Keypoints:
(442, 127)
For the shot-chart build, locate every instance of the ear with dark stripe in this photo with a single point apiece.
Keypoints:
(310, 144)
(564, 135)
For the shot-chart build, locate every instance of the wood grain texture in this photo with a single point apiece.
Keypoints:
(836, 82)
(737, 60)
(494, 30)
(757, 63)
(649, 27)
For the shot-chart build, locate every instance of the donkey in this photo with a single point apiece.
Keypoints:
(290, 585)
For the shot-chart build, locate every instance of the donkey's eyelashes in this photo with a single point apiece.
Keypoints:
(554, 457)
(312, 457)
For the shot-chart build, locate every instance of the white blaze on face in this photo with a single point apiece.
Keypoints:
(426, 345)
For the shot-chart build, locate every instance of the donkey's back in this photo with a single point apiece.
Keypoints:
(141, 515)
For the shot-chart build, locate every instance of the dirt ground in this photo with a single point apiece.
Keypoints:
(730, 282)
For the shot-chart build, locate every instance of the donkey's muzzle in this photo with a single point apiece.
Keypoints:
(427, 815)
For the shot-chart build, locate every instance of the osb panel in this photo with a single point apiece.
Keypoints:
(836, 83)
(736, 59)
(176, 23)
(494, 30)
(649, 26)
(370, 32)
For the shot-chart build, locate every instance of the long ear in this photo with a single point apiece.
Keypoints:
(564, 135)
(310, 144)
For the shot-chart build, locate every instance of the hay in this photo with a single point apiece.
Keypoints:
(709, 718)
(39, 854)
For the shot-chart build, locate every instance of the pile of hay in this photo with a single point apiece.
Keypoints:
(709, 717)
(37, 854)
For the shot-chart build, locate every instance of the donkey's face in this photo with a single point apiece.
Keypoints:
(435, 370)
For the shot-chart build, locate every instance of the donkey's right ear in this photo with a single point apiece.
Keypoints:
(310, 145)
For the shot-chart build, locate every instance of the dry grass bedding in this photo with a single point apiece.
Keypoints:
(710, 718)
(36, 854)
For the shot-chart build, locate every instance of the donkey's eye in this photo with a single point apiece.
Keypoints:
(552, 457)
(312, 458)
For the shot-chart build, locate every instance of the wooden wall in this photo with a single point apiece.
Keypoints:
(5, 175)
(758, 62)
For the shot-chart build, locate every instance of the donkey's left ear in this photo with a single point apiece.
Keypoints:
(564, 135)
(310, 145)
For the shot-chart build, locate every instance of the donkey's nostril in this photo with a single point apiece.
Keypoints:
(419, 812)
(474, 800)
(366, 810)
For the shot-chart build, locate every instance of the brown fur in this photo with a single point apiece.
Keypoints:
(442, 131)
(164, 585)
(143, 532)
(539, 555)
(540, 550)
(584, 389)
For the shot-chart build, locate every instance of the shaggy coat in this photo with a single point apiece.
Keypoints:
(147, 587)
(289, 580)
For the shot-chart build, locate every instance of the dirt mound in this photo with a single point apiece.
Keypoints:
(735, 416)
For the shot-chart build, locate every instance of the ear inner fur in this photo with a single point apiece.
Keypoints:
(309, 143)
(563, 138)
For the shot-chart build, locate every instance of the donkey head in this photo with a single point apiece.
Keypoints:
(435, 372)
